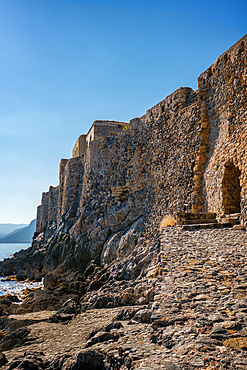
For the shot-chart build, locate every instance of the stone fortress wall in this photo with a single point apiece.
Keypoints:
(80, 146)
(99, 129)
(224, 89)
(186, 153)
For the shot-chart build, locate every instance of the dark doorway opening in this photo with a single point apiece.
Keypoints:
(231, 189)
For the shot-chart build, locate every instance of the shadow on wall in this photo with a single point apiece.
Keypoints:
(231, 189)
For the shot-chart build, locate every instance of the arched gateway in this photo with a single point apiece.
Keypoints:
(231, 189)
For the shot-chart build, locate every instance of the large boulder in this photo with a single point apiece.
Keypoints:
(3, 359)
(29, 362)
(85, 360)
(109, 252)
(14, 339)
(129, 240)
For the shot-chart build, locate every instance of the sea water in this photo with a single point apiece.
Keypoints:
(8, 249)
(14, 287)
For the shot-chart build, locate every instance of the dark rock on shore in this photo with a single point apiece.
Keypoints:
(81, 360)
(86, 360)
(6, 302)
(27, 363)
(71, 306)
(17, 338)
(3, 359)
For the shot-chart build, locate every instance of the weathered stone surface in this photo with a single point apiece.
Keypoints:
(70, 307)
(102, 336)
(29, 362)
(16, 338)
(240, 342)
(16, 321)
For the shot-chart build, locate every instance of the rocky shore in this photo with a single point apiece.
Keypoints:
(189, 311)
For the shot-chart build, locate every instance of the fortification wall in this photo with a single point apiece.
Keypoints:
(39, 224)
(140, 175)
(80, 146)
(104, 130)
(187, 153)
(224, 87)
(48, 212)
(145, 172)
(70, 187)
(61, 202)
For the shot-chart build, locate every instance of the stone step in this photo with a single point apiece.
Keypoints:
(232, 221)
(234, 215)
(199, 221)
(233, 218)
(215, 225)
(185, 216)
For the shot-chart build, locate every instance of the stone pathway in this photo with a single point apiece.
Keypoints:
(201, 298)
(199, 314)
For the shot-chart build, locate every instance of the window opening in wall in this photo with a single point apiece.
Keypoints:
(231, 189)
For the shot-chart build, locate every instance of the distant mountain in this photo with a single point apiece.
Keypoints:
(23, 235)
(6, 229)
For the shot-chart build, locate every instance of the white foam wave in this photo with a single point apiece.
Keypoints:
(17, 287)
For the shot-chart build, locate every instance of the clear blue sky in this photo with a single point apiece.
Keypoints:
(66, 63)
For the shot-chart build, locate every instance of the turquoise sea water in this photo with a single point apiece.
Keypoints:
(7, 249)
(13, 287)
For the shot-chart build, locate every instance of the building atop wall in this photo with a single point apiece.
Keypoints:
(98, 129)
(80, 146)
